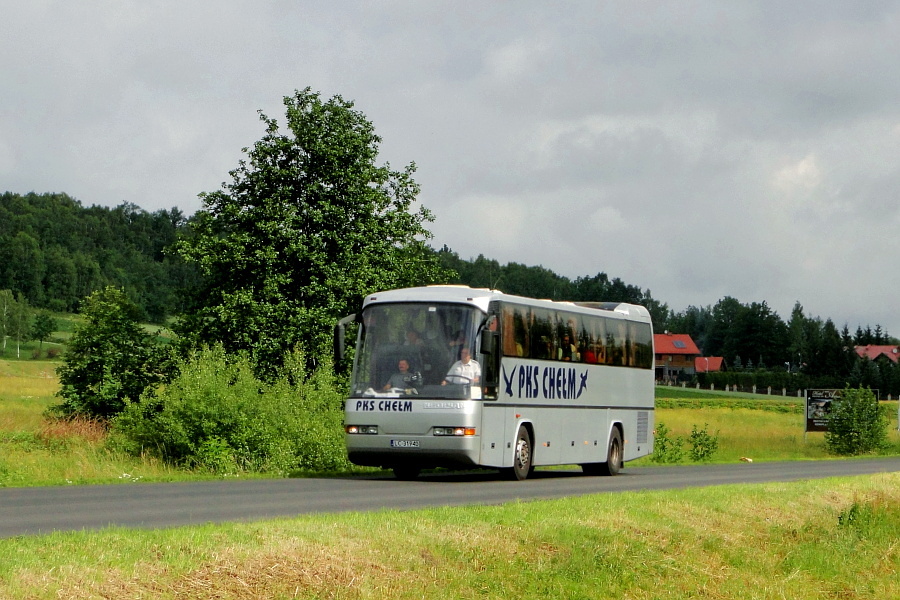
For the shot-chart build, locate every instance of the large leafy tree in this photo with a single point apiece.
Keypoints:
(308, 224)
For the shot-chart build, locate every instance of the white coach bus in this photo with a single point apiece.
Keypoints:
(546, 383)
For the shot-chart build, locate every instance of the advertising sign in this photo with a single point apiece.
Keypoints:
(818, 405)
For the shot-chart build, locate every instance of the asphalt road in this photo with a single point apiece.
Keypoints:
(29, 511)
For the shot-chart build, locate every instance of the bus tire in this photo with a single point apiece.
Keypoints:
(406, 473)
(523, 455)
(613, 455)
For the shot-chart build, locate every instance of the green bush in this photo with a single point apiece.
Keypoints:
(857, 424)
(216, 415)
(703, 445)
(665, 449)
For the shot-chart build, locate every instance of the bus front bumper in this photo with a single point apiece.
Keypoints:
(407, 450)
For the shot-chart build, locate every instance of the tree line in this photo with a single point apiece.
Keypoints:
(762, 349)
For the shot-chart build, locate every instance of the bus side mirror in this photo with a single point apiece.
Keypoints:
(340, 334)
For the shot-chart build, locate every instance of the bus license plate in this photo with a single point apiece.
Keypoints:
(404, 443)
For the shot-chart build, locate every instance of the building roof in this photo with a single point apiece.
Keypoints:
(713, 362)
(674, 343)
(873, 352)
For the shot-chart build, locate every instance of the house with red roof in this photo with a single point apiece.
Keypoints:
(674, 354)
(872, 352)
(708, 364)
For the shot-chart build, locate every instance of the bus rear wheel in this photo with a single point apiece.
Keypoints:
(613, 455)
(523, 464)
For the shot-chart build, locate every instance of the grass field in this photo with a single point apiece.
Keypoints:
(755, 427)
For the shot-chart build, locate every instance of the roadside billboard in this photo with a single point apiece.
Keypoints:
(818, 405)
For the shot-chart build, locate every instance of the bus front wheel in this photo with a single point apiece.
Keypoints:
(523, 464)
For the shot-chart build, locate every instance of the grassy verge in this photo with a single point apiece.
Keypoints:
(832, 538)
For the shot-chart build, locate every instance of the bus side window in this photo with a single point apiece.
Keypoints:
(543, 342)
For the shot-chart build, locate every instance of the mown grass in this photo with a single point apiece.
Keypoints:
(823, 539)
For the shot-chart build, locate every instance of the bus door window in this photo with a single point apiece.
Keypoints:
(497, 333)
(508, 332)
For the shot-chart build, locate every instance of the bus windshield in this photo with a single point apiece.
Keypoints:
(410, 349)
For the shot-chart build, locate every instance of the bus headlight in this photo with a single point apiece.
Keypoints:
(458, 431)
(363, 429)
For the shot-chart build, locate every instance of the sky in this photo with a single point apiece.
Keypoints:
(694, 149)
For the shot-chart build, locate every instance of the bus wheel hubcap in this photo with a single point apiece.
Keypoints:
(522, 453)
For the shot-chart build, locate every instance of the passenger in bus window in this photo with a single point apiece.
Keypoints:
(587, 352)
(567, 350)
(465, 370)
(414, 339)
(403, 379)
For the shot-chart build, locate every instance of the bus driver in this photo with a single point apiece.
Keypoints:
(465, 370)
(403, 379)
